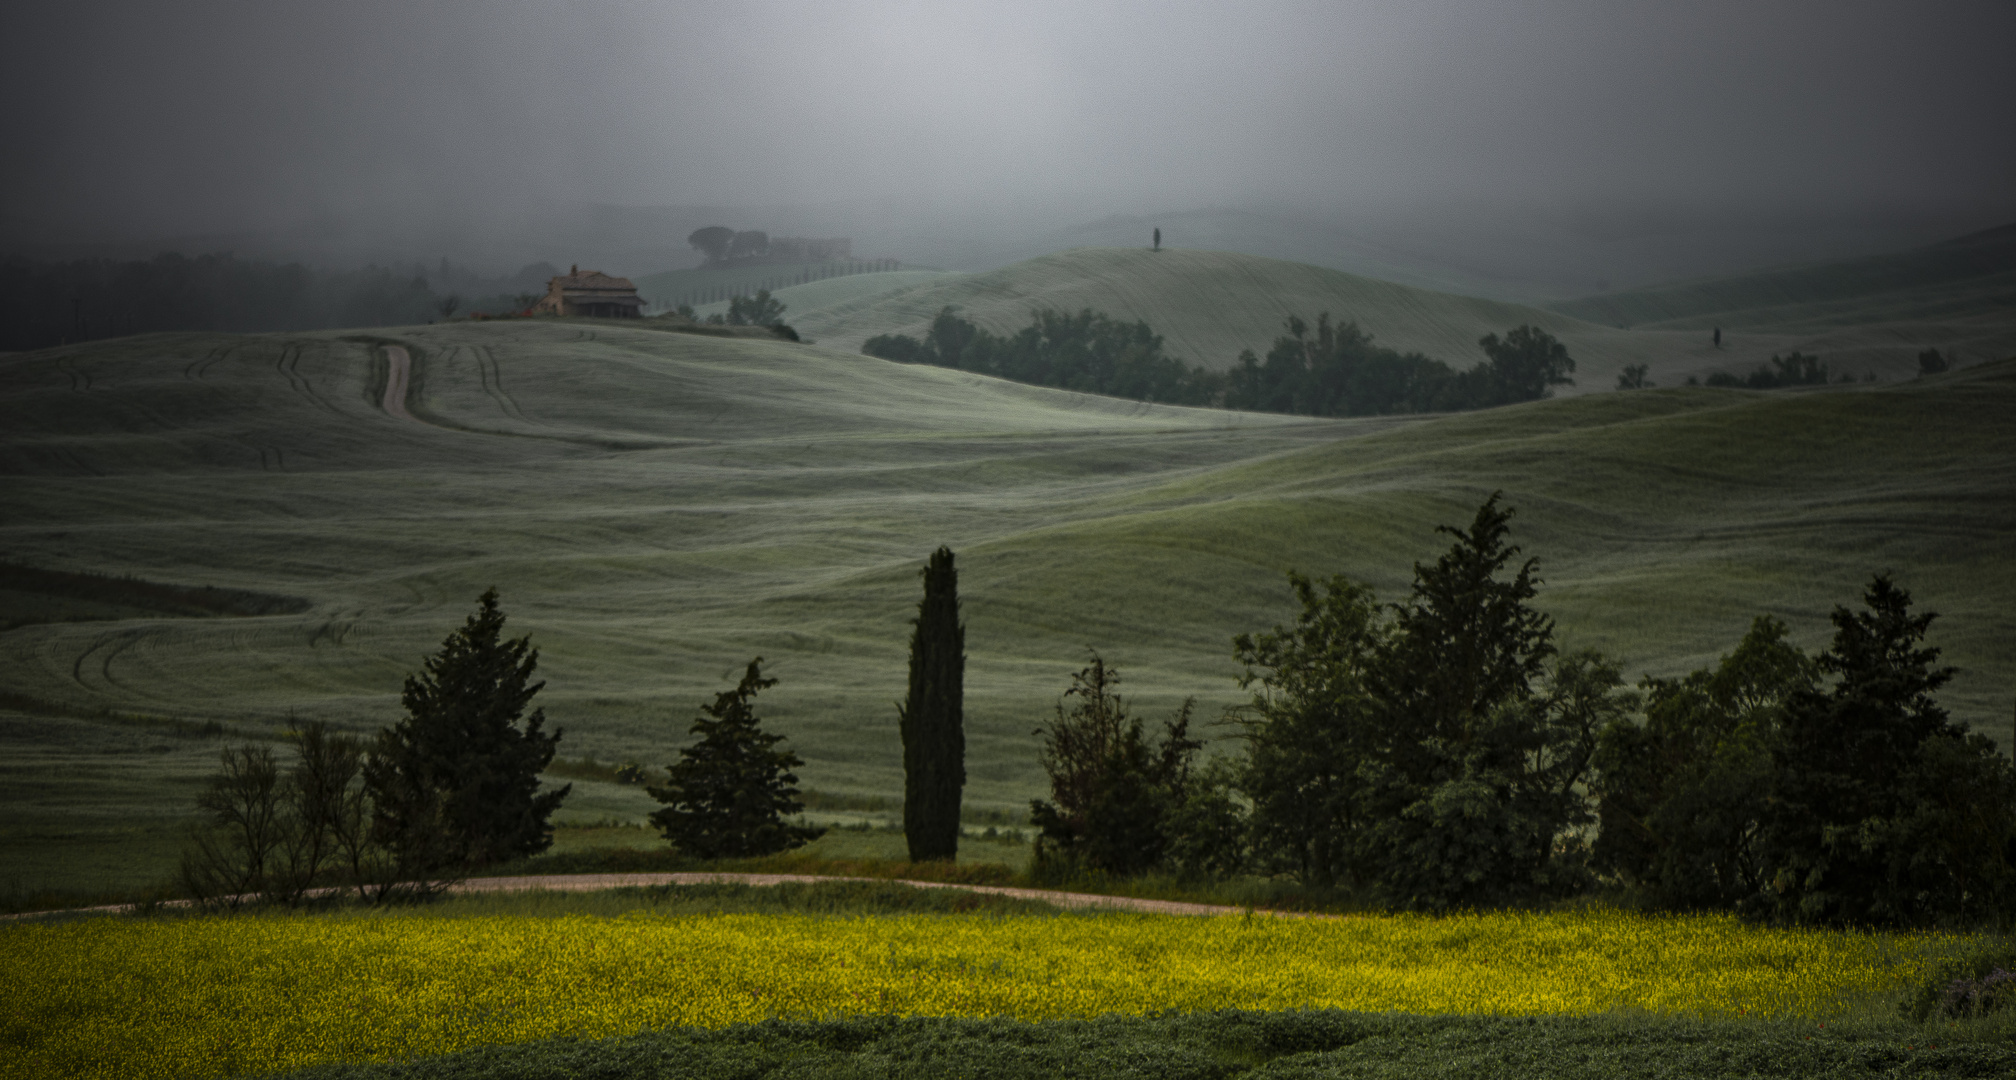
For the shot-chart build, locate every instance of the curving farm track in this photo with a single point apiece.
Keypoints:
(398, 378)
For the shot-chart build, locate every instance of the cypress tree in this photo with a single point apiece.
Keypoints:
(932, 721)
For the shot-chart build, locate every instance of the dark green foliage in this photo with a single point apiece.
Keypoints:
(1435, 759)
(1311, 727)
(1454, 680)
(1882, 809)
(1340, 372)
(1112, 790)
(759, 310)
(730, 792)
(1088, 352)
(1797, 369)
(1633, 378)
(455, 785)
(1337, 372)
(1681, 796)
(1222, 1045)
(1931, 363)
(1527, 365)
(932, 719)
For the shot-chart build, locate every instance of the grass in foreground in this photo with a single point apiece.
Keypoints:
(214, 995)
(1210, 1046)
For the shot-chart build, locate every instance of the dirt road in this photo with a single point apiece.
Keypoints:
(591, 882)
(398, 376)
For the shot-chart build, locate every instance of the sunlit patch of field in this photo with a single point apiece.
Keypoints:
(216, 995)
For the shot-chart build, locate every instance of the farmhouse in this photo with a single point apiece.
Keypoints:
(591, 293)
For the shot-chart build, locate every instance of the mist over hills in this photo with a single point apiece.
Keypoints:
(1965, 278)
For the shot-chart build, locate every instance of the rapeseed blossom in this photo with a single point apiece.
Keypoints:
(217, 995)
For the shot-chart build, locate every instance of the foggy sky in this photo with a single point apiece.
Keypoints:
(159, 119)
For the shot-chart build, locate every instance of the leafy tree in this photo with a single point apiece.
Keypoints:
(1682, 795)
(931, 718)
(901, 348)
(1310, 730)
(758, 310)
(712, 241)
(1931, 363)
(1633, 378)
(448, 305)
(1452, 816)
(1526, 365)
(1112, 789)
(456, 783)
(1882, 808)
(729, 793)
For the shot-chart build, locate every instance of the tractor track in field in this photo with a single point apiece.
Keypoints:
(492, 375)
(289, 365)
(112, 645)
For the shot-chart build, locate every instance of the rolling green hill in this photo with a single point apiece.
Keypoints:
(1208, 305)
(811, 297)
(1972, 278)
(657, 508)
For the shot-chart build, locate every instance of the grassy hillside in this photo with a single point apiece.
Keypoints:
(803, 301)
(673, 287)
(1972, 277)
(657, 508)
(1209, 305)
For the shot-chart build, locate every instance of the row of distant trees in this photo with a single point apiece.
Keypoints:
(49, 303)
(1324, 370)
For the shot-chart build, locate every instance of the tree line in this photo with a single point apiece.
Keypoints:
(1325, 370)
(1438, 752)
(1442, 752)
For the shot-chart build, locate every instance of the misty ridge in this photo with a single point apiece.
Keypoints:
(43, 304)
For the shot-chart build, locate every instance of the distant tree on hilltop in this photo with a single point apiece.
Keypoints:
(712, 241)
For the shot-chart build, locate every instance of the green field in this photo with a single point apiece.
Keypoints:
(657, 508)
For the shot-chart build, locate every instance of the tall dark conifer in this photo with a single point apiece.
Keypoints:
(932, 718)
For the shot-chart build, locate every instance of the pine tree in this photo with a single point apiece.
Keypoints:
(729, 793)
(456, 783)
(931, 719)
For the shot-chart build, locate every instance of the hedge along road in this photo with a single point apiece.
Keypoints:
(398, 376)
(594, 882)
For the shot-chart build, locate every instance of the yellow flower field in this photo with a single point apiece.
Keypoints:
(136, 998)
